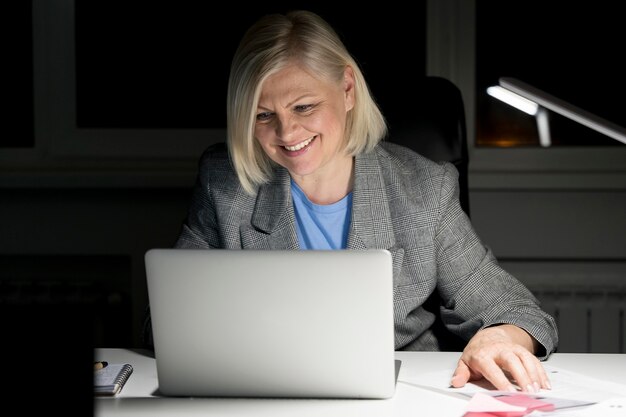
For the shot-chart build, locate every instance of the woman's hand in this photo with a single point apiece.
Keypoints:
(503, 355)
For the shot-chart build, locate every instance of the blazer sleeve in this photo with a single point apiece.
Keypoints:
(475, 290)
(200, 230)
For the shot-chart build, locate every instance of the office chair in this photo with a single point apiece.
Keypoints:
(432, 123)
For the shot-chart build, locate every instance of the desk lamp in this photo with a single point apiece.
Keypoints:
(536, 102)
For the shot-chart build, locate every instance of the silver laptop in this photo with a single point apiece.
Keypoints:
(247, 323)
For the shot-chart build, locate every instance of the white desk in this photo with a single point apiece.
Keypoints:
(138, 399)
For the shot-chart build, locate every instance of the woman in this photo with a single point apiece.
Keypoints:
(305, 168)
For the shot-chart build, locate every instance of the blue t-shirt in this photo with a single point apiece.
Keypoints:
(321, 226)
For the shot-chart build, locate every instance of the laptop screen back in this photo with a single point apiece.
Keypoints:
(252, 323)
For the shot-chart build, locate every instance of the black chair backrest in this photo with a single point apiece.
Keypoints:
(432, 123)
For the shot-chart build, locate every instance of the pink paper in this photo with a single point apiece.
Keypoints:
(483, 403)
(530, 403)
(514, 405)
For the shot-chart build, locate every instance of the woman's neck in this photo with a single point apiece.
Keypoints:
(330, 186)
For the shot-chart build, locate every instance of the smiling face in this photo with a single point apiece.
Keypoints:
(301, 120)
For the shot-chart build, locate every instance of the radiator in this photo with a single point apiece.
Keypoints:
(590, 319)
(587, 300)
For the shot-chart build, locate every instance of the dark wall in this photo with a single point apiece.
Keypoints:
(87, 245)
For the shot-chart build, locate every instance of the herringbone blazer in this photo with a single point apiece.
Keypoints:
(402, 202)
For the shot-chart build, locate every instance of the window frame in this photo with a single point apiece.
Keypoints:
(451, 54)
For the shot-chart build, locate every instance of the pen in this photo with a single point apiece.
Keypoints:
(99, 365)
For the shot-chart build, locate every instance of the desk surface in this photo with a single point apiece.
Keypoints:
(137, 398)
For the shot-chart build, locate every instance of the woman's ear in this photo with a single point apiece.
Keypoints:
(349, 87)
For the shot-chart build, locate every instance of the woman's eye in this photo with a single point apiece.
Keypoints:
(262, 117)
(303, 108)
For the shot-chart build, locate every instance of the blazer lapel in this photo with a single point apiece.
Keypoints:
(273, 219)
(371, 225)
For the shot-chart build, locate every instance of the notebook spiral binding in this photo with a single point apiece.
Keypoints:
(108, 384)
(123, 376)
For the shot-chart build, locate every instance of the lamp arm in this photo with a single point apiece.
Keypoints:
(564, 108)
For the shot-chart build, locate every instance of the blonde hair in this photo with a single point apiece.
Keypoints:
(271, 43)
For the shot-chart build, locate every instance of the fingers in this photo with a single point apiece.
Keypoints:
(503, 355)
(461, 375)
(535, 371)
(515, 365)
(526, 370)
(494, 373)
(488, 369)
(522, 370)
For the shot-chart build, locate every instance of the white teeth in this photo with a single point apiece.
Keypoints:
(299, 145)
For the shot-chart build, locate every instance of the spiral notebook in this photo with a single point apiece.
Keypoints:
(111, 379)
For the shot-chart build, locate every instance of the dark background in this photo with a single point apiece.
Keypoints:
(170, 64)
(164, 66)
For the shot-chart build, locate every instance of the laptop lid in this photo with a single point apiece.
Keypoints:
(277, 323)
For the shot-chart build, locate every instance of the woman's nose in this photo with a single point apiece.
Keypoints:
(285, 127)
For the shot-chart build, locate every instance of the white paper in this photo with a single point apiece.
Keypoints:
(570, 387)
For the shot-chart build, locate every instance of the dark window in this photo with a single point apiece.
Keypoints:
(151, 65)
(573, 52)
(17, 51)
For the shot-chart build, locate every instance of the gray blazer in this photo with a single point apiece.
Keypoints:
(402, 202)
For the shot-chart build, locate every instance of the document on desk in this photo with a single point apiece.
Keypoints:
(569, 389)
